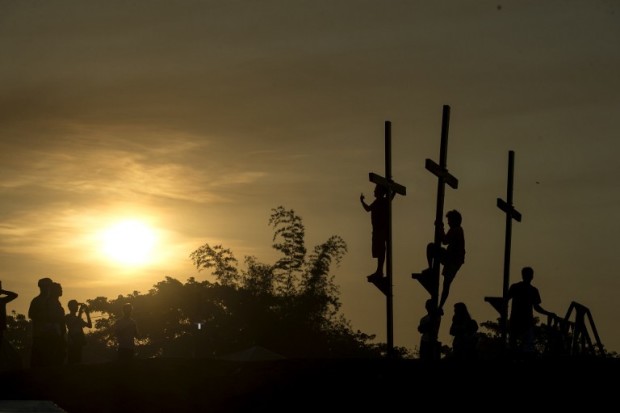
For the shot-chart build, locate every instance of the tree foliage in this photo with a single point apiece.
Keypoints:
(291, 306)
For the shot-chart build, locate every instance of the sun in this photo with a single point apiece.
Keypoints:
(129, 242)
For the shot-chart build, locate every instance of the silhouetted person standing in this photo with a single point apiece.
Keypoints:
(429, 328)
(452, 257)
(525, 299)
(126, 332)
(378, 209)
(76, 340)
(463, 329)
(5, 298)
(39, 315)
(57, 350)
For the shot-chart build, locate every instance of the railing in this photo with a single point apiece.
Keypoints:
(573, 335)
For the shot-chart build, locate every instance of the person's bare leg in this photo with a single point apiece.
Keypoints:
(380, 263)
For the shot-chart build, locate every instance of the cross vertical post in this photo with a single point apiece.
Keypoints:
(385, 284)
(389, 302)
(431, 283)
(501, 303)
(441, 191)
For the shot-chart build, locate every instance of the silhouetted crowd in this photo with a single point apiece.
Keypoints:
(56, 337)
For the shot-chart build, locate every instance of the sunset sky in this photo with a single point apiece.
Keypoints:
(190, 120)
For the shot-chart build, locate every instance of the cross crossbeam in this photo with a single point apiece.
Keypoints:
(393, 186)
(442, 173)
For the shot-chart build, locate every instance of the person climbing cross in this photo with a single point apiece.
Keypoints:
(451, 257)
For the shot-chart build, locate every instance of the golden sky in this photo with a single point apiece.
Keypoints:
(197, 117)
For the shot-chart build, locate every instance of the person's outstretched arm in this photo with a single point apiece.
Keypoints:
(443, 236)
(9, 295)
(541, 310)
(364, 204)
(89, 323)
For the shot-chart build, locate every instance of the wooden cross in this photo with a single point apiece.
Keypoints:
(501, 303)
(431, 281)
(385, 284)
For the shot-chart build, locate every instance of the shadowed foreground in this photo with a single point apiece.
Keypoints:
(185, 385)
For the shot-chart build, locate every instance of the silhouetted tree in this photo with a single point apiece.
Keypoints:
(18, 334)
(292, 305)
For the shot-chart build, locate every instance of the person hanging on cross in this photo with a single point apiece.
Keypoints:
(379, 219)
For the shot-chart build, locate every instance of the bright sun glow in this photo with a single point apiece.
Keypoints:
(129, 242)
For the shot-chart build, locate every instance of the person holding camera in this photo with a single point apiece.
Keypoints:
(76, 340)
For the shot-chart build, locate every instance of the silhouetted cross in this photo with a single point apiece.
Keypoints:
(431, 281)
(385, 284)
(431, 284)
(501, 303)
